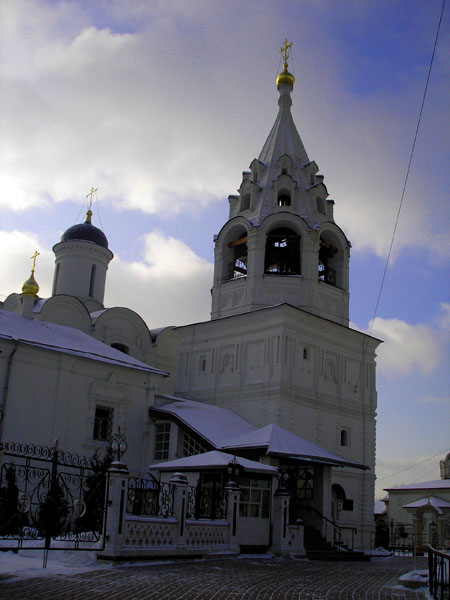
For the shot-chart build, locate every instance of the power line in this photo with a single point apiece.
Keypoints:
(407, 170)
(414, 465)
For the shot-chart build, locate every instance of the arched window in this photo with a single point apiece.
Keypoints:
(345, 437)
(282, 252)
(55, 280)
(237, 267)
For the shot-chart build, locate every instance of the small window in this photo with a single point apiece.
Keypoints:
(305, 353)
(121, 348)
(92, 281)
(202, 363)
(162, 441)
(345, 437)
(284, 171)
(103, 423)
(55, 280)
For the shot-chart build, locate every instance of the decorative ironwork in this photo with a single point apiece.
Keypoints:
(438, 573)
(150, 497)
(119, 444)
(51, 495)
(208, 502)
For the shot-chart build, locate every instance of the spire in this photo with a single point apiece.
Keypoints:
(284, 137)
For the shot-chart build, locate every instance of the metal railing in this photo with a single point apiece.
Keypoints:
(150, 498)
(338, 538)
(438, 573)
(206, 503)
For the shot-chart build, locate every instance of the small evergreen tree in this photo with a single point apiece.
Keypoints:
(95, 492)
(11, 519)
(51, 517)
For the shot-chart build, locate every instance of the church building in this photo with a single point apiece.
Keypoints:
(276, 375)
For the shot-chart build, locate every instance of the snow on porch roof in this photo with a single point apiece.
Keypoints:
(60, 338)
(211, 422)
(280, 441)
(436, 503)
(212, 460)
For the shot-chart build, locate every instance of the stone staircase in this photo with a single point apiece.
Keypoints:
(317, 548)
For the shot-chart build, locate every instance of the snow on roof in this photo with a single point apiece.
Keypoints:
(380, 507)
(278, 440)
(60, 338)
(211, 422)
(436, 503)
(437, 484)
(212, 460)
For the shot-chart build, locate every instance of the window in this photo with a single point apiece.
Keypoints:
(255, 498)
(202, 363)
(103, 423)
(92, 281)
(162, 441)
(55, 280)
(326, 258)
(191, 446)
(282, 252)
(305, 353)
(238, 249)
(284, 199)
(345, 437)
(121, 348)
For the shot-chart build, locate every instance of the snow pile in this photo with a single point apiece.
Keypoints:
(28, 563)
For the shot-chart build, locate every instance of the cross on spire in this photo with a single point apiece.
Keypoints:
(34, 256)
(284, 50)
(91, 193)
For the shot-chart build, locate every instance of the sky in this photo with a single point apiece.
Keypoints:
(161, 105)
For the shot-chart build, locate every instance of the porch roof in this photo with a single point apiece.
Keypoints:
(212, 461)
(278, 441)
(433, 501)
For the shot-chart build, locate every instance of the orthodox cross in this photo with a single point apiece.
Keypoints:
(91, 193)
(34, 256)
(285, 50)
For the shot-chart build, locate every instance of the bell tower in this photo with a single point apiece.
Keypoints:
(281, 243)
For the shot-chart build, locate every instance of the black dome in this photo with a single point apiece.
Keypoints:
(87, 233)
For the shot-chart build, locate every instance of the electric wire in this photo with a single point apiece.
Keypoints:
(414, 465)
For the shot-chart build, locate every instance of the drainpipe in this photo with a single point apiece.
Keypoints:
(6, 387)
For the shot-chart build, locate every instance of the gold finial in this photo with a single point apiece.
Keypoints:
(89, 210)
(34, 256)
(31, 286)
(285, 51)
(285, 76)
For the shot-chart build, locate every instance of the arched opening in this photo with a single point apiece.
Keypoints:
(337, 501)
(55, 280)
(330, 262)
(121, 347)
(345, 438)
(282, 252)
(284, 198)
(235, 256)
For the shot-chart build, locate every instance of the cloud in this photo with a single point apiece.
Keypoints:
(428, 399)
(406, 347)
(168, 285)
(99, 96)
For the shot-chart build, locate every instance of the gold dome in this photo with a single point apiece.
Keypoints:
(30, 286)
(285, 77)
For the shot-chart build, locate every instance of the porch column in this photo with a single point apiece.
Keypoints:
(117, 502)
(322, 496)
(180, 483)
(280, 522)
(233, 497)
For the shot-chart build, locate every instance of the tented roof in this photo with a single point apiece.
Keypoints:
(212, 460)
(279, 441)
(437, 484)
(433, 501)
(60, 338)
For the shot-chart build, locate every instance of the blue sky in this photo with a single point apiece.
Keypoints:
(162, 105)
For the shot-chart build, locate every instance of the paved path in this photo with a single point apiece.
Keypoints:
(227, 579)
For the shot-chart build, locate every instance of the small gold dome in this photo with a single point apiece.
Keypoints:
(31, 286)
(285, 77)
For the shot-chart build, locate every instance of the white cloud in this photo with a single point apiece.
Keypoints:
(428, 399)
(102, 97)
(406, 347)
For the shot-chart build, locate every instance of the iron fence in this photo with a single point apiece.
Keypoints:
(207, 502)
(148, 497)
(50, 498)
(438, 573)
